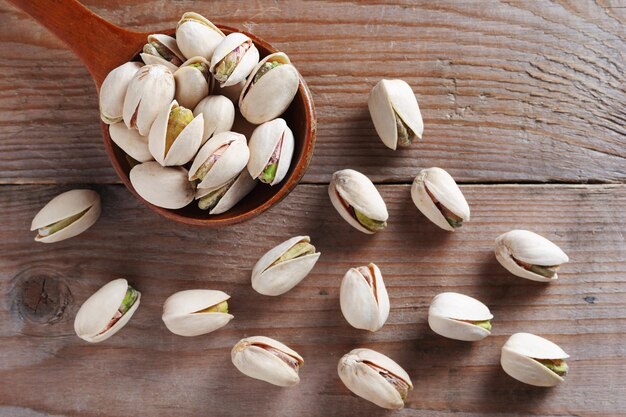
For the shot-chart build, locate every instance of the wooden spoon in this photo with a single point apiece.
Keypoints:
(102, 46)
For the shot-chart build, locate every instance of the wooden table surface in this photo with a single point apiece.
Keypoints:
(524, 103)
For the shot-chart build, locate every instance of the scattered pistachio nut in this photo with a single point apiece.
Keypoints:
(260, 357)
(375, 377)
(271, 148)
(113, 91)
(166, 187)
(363, 298)
(529, 255)
(226, 197)
(357, 200)
(457, 316)
(197, 36)
(196, 312)
(395, 113)
(106, 311)
(130, 141)
(233, 60)
(192, 82)
(534, 360)
(284, 266)
(162, 49)
(270, 89)
(66, 215)
(438, 197)
(219, 115)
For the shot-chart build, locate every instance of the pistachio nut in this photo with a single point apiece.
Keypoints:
(130, 141)
(270, 89)
(260, 357)
(271, 148)
(219, 115)
(284, 266)
(197, 36)
(363, 298)
(395, 113)
(196, 312)
(219, 160)
(166, 187)
(356, 199)
(457, 316)
(66, 215)
(192, 82)
(150, 91)
(175, 135)
(226, 197)
(438, 197)
(106, 311)
(162, 49)
(233, 60)
(375, 377)
(534, 360)
(113, 90)
(529, 255)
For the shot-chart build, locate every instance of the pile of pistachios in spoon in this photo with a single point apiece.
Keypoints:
(180, 139)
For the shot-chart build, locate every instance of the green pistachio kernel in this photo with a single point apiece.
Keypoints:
(217, 308)
(405, 135)
(227, 65)
(546, 271)
(202, 67)
(558, 366)
(61, 224)
(178, 120)
(369, 224)
(129, 299)
(298, 250)
(269, 173)
(265, 68)
(209, 201)
(486, 324)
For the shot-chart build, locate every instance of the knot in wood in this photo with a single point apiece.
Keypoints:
(40, 296)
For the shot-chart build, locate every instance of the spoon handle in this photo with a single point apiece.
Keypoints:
(99, 44)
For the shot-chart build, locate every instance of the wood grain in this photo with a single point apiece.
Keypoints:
(47, 371)
(522, 91)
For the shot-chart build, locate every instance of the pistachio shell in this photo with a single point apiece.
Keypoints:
(191, 84)
(530, 248)
(65, 205)
(386, 99)
(450, 312)
(359, 192)
(166, 187)
(359, 377)
(262, 144)
(240, 188)
(282, 277)
(445, 190)
(272, 94)
(246, 64)
(130, 141)
(364, 306)
(219, 115)
(184, 147)
(518, 359)
(170, 43)
(98, 311)
(197, 36)
(231, 92)
(228, 166)
(183, 315)
(150, 90)
(113, 91)
(251, 359)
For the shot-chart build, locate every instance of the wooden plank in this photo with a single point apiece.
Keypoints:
(47, 371)
(510, 91)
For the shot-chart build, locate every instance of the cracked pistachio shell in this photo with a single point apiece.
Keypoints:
(113, 91)
(386, 99)
(130, 141)
(518, 359)
(66, 205)
(166, 187)
(262, 144)
(272, 94)
(219, 115)
(359, 192)
(282, 277)
(529, 248)
(442, 187)
(98, 310)
(360, 378)
(228, 166)
(363, 305)
(169, 43)
(246, 64)
(191, 84)
(197, 36)
(183, 315)
(185, 145)
(450, 312)
(252, 359)
(236, 192)
(150, 91)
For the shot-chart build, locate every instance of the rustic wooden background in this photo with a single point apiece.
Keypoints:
(524, 103)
